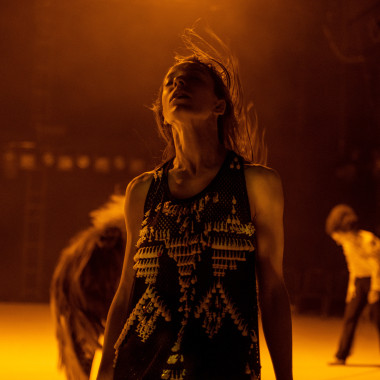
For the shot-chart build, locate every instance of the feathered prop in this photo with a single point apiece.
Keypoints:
(83, 285)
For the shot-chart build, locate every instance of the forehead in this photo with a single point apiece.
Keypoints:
(188, 67)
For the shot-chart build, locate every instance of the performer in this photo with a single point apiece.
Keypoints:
(83, 285)
(207, 224)
(362, 252)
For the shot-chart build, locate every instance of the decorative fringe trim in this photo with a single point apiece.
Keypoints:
(183, 250)
(235, 164)
(147, 263)
(226, 252)
(231, 225)
(158, 173)
(253, 337)
(187, 251)
(232, 244)
(254, 347)
(249, 371)
(196, 207)
(147, 310)
(151, 235)
(177, 344)
(173, 359)
(147, 325)
(173, 374)
(215, 306)
(151, 252)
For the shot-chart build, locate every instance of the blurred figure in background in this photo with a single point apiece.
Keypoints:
(206, 223)
(362, 252)
(83, 285)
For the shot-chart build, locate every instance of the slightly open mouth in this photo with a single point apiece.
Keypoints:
(180, 96)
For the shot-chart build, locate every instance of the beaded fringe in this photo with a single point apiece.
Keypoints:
(215, 306)
(147, 310)
(173, 374)
(228, 241)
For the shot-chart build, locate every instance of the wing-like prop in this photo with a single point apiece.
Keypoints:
(83, 285)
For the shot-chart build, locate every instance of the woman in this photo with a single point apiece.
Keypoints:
(204, 224)
(361, 250)
(82, 288)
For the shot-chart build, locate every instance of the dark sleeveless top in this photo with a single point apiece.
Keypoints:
(193, 312)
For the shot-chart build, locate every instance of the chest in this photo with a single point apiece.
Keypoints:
(182, 187)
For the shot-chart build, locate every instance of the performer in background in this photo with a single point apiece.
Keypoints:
(201, 229)
(362, 252)
(83, 285)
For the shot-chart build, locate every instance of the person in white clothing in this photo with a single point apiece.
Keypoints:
(362, 252)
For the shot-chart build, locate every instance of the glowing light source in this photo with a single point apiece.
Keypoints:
(65, 163)
(31, 158)
(119, 162)
(28, 161)
(10, 164)
(83, 161)
(48, 159)
(102, 164)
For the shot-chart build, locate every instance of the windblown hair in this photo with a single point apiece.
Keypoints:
(83, 285)
(238, 129)
(342, 218)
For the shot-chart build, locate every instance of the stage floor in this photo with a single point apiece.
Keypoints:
(28, 348)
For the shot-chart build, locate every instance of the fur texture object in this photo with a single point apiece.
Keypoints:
(83, 285)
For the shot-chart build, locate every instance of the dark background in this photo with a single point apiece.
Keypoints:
(77, 77)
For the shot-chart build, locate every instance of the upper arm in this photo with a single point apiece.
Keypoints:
(267, 204)
(135, 196)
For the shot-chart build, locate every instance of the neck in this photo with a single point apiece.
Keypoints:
(197, 147)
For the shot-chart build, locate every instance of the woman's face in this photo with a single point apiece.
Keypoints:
(188, 94)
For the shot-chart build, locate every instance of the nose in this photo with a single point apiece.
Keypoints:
(178, 81)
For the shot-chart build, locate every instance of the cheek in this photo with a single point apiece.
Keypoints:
(165, 103)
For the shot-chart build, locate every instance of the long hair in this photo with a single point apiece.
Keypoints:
(83, 285)
(238, 129)
(342, 218)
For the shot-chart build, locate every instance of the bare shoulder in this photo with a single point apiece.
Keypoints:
(264, 187)
(139, 184)
(136, 193)
(259, 176)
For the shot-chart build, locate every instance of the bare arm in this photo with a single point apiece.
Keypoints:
(351, 288)
(374, 294)
(266, 203)
(134, 208)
